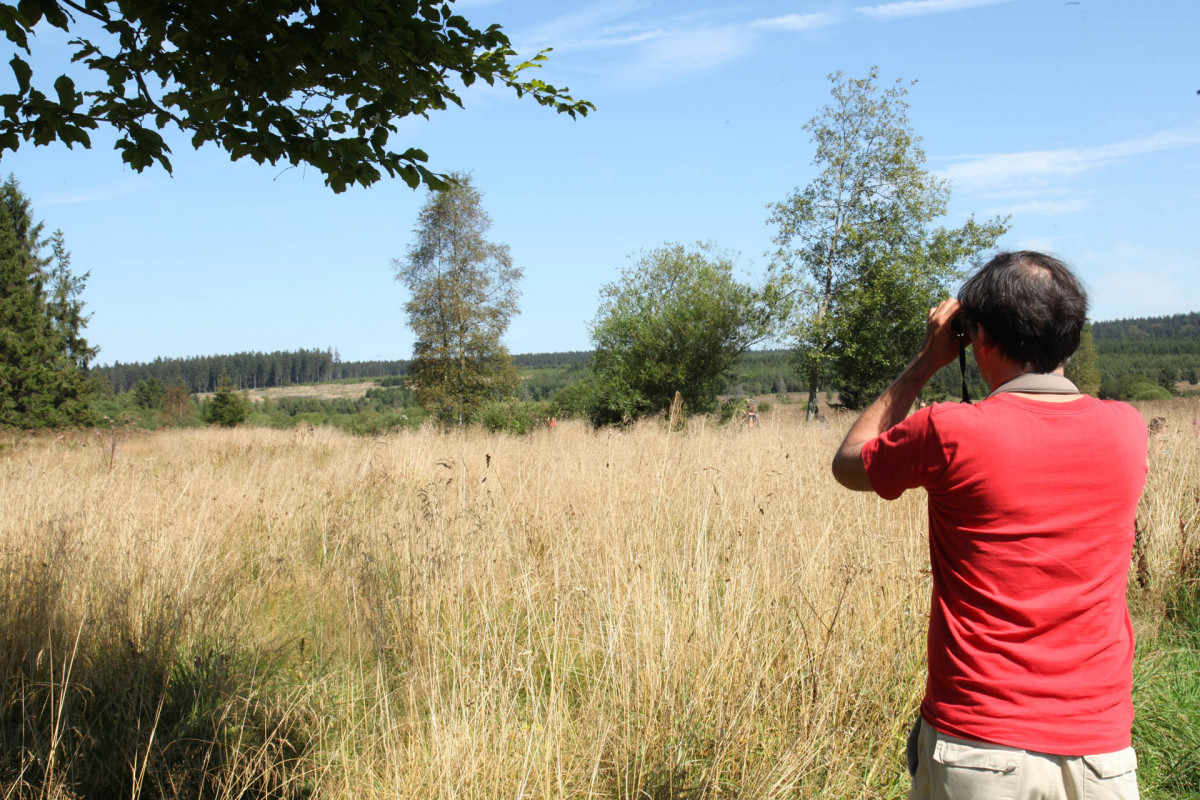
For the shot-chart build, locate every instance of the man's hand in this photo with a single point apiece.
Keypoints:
(940, 348)
(941, 342)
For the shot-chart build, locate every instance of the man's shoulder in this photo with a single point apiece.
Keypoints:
(1125, 414)
(1007, 408)
(950, 413)
(951, 407)
(1117, 407)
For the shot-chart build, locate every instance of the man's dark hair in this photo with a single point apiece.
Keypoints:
(1031, 305)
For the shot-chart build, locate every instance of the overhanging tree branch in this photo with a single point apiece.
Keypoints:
(243, 77)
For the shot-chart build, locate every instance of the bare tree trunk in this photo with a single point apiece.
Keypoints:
(814, 370)
(812, 395)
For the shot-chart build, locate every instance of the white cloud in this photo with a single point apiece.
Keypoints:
(794, 22)
(610, 39)
(665, 47)
(1006, 168)
(684, 52)
(1041, 207)
(1023, 192)
(912, 8)
(592, 21)
(1048, 244)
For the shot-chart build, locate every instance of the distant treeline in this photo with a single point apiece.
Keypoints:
(1177, 326)
(1163, 349)
(248, 370)
(283, 368)
(763, 372)
(1159, 348)
(571, 358)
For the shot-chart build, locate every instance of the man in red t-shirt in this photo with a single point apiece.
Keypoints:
(1032, 494)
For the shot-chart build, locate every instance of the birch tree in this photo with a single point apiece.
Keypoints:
(463, 294)
(858, 245)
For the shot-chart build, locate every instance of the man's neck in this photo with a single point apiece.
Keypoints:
(998, 369)
(1004, 372)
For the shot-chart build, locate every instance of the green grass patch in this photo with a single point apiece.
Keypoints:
(1166, 728)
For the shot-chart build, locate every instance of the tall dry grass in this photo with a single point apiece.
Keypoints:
(636, 614)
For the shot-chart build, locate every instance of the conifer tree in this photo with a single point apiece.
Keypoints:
(1083, 369)
(43, 355)
(227, 408)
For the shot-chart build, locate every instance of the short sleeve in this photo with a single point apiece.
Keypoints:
(903, 456)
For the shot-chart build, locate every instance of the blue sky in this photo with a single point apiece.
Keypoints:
(1079, 119)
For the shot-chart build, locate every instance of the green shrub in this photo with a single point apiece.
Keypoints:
(391, 397)
(513, 416)
(574, 401)
(113, 407)
(376, 423)
(268, 415)
(1145, 390)
(733, 409)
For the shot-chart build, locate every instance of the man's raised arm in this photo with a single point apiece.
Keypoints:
(890, 408)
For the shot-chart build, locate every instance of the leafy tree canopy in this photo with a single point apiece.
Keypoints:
(675, 321)
(322, 84)
(860, 246)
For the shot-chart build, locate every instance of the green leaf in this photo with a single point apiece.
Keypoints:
(31, 10)
(73, 134)
(23, 73)
(66, 91)
(11, 24)
(413, 154)
(410, 176)
(57, 17)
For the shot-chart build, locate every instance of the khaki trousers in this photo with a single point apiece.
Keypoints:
(950, 768)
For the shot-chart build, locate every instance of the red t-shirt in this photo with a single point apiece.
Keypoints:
(1031, 514)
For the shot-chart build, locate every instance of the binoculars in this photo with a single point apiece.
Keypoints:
(959, 324)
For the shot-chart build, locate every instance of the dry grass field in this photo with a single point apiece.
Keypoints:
(321, 391)
(573, 614)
